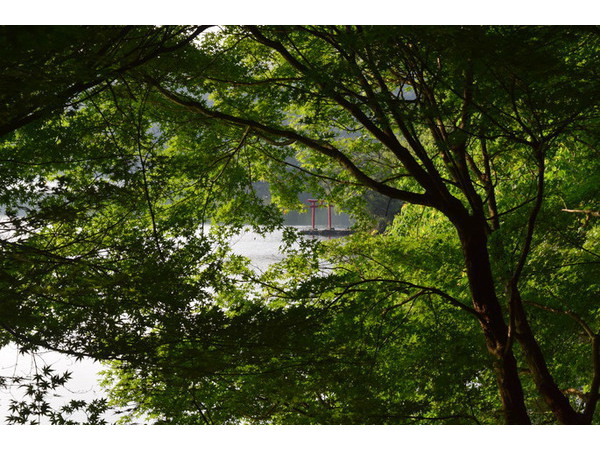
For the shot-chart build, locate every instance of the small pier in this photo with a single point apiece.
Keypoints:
(327, 233)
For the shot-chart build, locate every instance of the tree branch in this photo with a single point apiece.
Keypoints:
(589, 212)
(592, 396)
(389, 140)
(453, 301)
(324, 148)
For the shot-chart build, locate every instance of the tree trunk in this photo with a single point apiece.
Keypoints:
(485, 302)
(551, 394)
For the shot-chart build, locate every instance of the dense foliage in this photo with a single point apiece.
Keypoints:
(127, 167)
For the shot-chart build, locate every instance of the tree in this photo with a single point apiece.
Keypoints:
(487, 134)
(46, 68)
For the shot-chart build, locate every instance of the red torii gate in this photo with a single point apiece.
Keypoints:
(314, 204)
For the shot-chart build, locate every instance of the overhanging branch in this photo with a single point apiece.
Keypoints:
(324, 148)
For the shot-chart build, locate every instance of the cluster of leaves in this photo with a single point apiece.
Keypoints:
(39, 398)
(356, 343)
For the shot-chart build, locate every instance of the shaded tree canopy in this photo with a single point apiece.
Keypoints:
(45, 69)
(477, 304)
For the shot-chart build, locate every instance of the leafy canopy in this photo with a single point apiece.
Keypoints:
(127, 169)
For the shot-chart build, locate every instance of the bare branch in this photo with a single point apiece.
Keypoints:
(589, 212)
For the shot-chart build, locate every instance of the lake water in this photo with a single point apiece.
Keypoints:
(262, 250)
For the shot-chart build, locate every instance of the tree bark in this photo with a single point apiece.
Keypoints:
(485, 301)
(551, 394)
